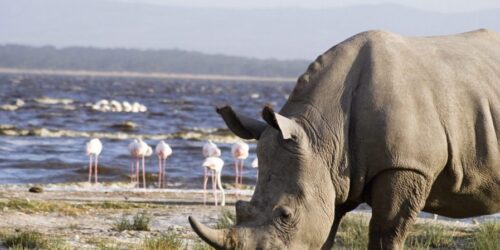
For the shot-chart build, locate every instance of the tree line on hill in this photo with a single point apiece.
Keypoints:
(144, 61)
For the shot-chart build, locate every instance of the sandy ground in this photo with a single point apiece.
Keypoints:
(144, 75)
(168, 208)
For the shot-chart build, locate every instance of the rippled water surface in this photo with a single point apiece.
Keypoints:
(45, 122)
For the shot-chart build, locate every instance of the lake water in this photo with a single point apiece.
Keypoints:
(43, 139)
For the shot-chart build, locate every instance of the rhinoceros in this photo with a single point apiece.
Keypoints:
(404, 124)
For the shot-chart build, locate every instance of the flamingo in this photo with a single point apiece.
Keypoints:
(240, 153)
(94, 148)
(163, 151)
(211, 149)
(139, 149)
(214, 165)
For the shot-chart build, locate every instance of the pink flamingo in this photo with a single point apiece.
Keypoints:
(214, 165)
(163, 151)
(240, 153)
(138, 149)
(93, 148)
(211, 149)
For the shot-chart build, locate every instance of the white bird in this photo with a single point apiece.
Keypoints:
(211, 149)
(102, 105)
(102, 102)
(93, 148)
(116, 106)
(138, 150)
(126, 106)
(163, 151)
(135, 107)
(214, 165)
(240, 153)
(255, 163)
(149, 151)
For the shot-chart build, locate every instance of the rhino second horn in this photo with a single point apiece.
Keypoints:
(214, 238)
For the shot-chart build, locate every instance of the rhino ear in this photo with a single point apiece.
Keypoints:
(243, 126)
(286, 126)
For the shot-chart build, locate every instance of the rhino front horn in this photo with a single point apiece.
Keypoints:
(214, 238)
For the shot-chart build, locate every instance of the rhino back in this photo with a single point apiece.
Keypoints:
(430, 105)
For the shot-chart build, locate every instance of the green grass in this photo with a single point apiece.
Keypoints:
(487, 237)
(168, 241)
(353, 232)
(201, 245)
(140, 222)
(431, 236)
(119, 205)
(71, 209)
(226, 219)
(30, 207)
(31, 240)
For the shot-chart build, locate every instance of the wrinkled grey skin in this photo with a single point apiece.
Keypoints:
(404, 124)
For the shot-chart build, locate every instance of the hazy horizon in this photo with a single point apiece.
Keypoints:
(279, 30)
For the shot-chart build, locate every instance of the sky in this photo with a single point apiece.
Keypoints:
(433, 5)
(291, 29)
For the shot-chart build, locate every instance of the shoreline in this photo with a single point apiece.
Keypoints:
(157, 75)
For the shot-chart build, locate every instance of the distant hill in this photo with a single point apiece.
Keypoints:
(147, 61)
(283, 33)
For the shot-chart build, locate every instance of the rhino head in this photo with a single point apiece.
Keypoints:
(294, 200)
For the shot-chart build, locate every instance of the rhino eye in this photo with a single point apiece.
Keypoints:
(284, 213)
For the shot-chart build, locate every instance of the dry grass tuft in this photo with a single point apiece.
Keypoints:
(487, 236)
(140, 222)
(31, 240)
(226, 219)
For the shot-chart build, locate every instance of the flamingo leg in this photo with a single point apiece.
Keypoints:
(164, 185)
(205, 180)
(95, 172)
(236, 185)
(137, 172)
(132, 176)
(132, 172)
(90, 168)
(241, 172)
(143, 173)
(159, 171)
(219, 183)
(214, 190)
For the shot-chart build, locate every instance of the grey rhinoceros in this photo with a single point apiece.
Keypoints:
(405, 124)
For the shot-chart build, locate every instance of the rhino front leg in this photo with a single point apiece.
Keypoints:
(340, 211)
(397, 197)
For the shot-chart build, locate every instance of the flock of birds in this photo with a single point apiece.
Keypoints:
(212, 164)
(116, 106)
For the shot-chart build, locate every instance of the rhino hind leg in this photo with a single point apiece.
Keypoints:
(396, 199)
